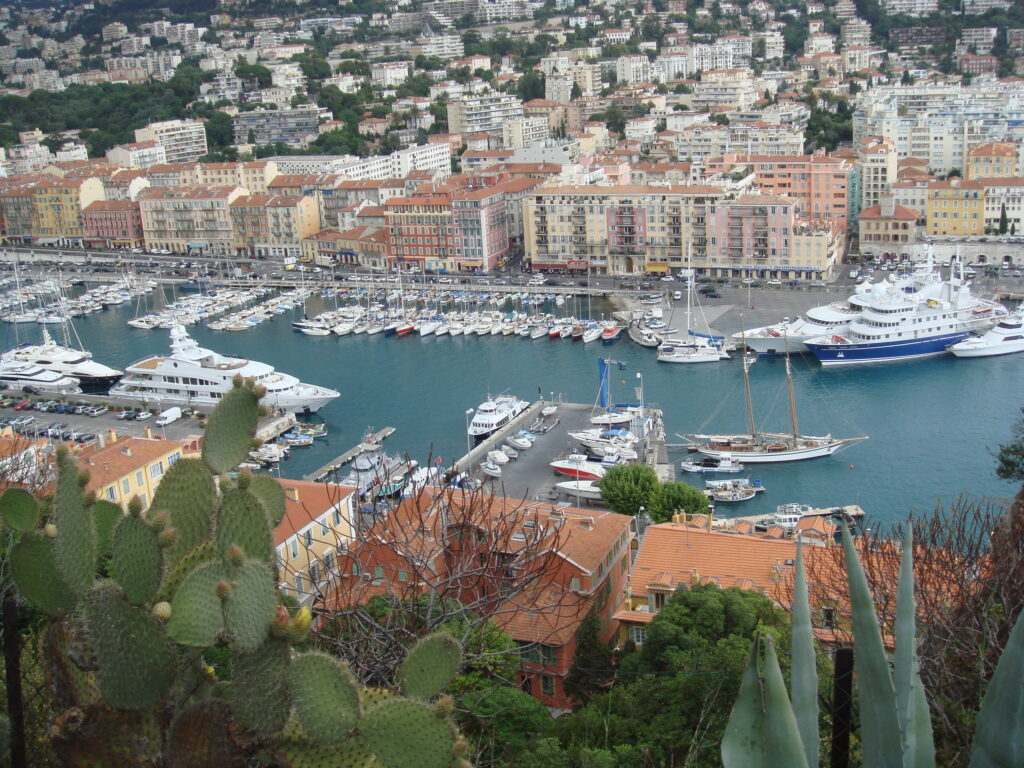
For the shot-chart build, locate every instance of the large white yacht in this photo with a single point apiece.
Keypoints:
(494, 413)
(192, 375)
(1005, 338)
(15, 375)
(66, 361)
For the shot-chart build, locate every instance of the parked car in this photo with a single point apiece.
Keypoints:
(774, 283)
(122, 415)
(143, 415)
(21, 405)
(706, 289)
(97, 410)
(793, 283)
(713, 295)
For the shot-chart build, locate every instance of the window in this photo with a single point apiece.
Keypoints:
(323, 528)
(173, 458)
(299, 586)
(403, 575)
(547, 685)
(574, 583)
(156, 470)
(328, 560)
(307, 537)
(337, 516)
(656, 600)
(314, 572)
(378, 572)
(112, 493)
(637, 635)
(295, 548)
(140, 479)
(126, 486)
(356, 570)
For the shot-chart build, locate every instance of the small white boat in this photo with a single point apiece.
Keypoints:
(497, 457)
(1005, 338)
(577, 465)
(549, 410)
(612, 417)
(592, 334)
(517, 442)
(788, 515)
(732, 495)
(723, 463)
(735, 482)
(580, 489)
(509, 451)
(490, 469)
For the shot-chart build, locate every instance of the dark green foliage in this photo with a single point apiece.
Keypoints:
(260, 694)
(20, 509)
(326, 697)
(33, 562)
(76, 535)
(430, 666)
(628, 487)
(243, 523)
(136, 666)
(135, 555)
(408, 734)
(1010, 459)
(228, 434)
(593, 667)
(676, 497)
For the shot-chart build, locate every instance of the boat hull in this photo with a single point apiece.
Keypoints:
(988, 350)
(831, 354)
(575, 470)
(774, 457)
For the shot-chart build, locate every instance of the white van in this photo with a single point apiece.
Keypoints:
(854, 273)
(169, 416)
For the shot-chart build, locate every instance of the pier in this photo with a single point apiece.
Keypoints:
(371, 442)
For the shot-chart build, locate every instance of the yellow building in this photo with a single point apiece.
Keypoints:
(273, 226)
(122, 468)
(317, 525)
(997, 159)
(183, 219)
(47, 210)
(955, 207)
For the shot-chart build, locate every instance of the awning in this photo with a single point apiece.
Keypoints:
(660, 267)
(549, 265)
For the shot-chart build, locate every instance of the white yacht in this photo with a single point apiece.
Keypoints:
(790, 335)
(66, 361)
(191, 375)
(1006, 337)
(494, 413)
(15, 375)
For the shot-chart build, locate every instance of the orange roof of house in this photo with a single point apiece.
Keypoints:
(311, 500)
(994, 149)
(898, 212)
(113, 460)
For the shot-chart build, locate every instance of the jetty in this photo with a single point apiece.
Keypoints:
(370, 442)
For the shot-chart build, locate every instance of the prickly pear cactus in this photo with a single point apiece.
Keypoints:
(138, 598)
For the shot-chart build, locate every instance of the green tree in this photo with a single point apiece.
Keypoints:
(1004, 224)
(576, 92)
(219, 129)
(628, 488)
(257, 72)
(1010, 458)
(593, 668)
(530, 86)
(670, 498)
(503, 722)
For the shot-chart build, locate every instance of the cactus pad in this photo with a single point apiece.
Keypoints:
(76, 534)
(105, 516)
(229, 430)
(136, 662)
(326, 697)
(136, 559)
(20, 509)
(203, 553)
(204, 735)
(271, 496)
(261, 700)
(34, 568)
(430, 666)
(187, 496)
(249, 607)
(243, 522)
(69, 663)
(403, 733)
(98, 736)
(292, 749)
(196, 615)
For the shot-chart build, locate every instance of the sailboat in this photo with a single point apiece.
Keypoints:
(756, 447)
(611, 415)
(695, 348)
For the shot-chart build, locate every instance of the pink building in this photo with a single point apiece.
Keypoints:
(480, 223)
(113, 224)
(751, 232)
(820, 182)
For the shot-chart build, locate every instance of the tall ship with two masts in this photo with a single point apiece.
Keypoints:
(192, 375)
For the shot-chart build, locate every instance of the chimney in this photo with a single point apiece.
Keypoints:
(887, 205)
(126, 451)
(586, 523)
(292, 493)
(111, 435)
(149, 433)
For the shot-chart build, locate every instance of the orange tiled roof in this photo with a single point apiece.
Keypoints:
(312, 500)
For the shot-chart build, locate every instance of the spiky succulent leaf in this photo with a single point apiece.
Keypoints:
(404, 733)
(326, 697)
(20, 509)
(34, 568)
(106, 516)
(250, 605)
(203, 736)
(228, 434)
(243, 523)
(762, 729)
(135, 555)
(271, 496)
(203, 553)
(923, 740)
(804, 673)
(880, 728)
(261, 701)
(293, 749)
(136, 664)
(999, 730)
(76, 535)
(196, 615)
(430, 666)
(187, 496)
(906, 645)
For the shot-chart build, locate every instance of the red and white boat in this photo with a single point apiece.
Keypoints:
(577, 465)
(404, 328)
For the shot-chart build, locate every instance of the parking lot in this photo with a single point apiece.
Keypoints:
(66, 422)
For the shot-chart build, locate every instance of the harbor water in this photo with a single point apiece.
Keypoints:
(934, 424)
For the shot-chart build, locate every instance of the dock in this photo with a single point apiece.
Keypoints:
(370, 442)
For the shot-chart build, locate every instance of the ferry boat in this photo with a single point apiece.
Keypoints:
(66, 361)
(1005, 338)
(908, 322)
(192, 375)
(15, 374)
(493, 414)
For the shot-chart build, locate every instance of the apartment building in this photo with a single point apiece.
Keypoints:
(124, 468)
(558, 88)
(633, 69)
(855, 32)
(955, 207)
(993, 159)
(390, 74)
(113, 224)
(362, 247)
(273, 226)
(552, 111)
(294, 127)
(48, 210)
(421, 232)
(911, 7)
(480, 229)
(888, 230)
(721, 90)
(705, 57)
(318, 524)
(820, 182)
(444, 47)
(525, 131)
(139, 154)
(182, 140)
(1004, 196)
(186, 219)
(708, 140)
(485, 113)
(877, 163)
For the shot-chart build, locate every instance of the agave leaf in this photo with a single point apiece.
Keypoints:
(999, 731)
(924, 745)
(762, 730)
(880, 734)
(906, 642)
(804, 673)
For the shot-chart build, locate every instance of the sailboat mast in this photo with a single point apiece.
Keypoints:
(792, 396)
(746, 382)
